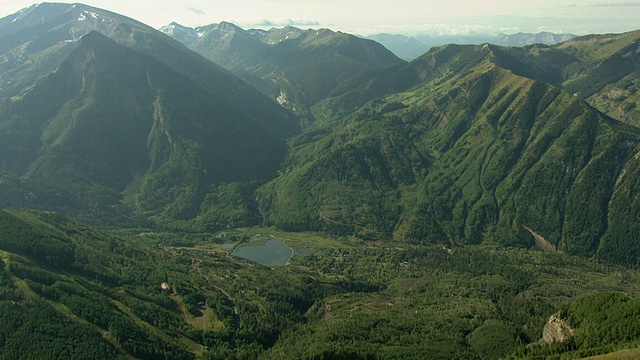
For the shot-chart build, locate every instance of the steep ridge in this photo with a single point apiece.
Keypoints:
(602, 69)
(113, 124)
(228, 45)
(455, 147)
(274, 35)
(35, 40)
(612, 85)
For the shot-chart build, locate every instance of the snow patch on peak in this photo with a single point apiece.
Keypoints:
(282, 98)
(184, 34)
(85, 14)
(169, 29)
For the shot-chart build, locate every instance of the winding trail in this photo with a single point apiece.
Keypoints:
(195, 266)
(226, 294)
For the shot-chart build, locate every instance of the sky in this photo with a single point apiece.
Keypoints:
(364, 17)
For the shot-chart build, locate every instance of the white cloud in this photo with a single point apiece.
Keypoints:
(282, 23)
(618, 4)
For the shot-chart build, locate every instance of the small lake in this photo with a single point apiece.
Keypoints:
(272, 253)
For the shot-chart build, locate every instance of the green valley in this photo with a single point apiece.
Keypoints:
(133, 294)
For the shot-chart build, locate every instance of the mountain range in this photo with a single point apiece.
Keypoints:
(381, 161)
(403, 46)
(466, 144)
(296, 67)
(477, 202)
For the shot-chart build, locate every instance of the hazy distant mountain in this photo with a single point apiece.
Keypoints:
(409, 48)
(149, 129)
(523, 39)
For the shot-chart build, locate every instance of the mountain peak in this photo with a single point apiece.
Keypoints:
(275, 36)
(92, 36)
(184, 34)
(289, 28)
(102, 44)
(34, 15)
(230, 25)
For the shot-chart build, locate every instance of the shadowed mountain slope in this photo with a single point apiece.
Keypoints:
(115, 132)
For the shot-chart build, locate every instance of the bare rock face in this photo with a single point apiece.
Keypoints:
(556, 331)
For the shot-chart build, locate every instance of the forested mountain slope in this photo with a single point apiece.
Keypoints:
(457, 147)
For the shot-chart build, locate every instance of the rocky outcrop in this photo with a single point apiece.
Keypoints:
(556, 330)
